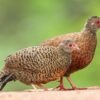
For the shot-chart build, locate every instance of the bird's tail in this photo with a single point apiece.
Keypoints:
(5, 77)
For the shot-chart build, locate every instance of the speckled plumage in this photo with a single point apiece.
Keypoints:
(86, 40)
(38, 64)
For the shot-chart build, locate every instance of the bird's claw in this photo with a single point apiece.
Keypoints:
(60, 87)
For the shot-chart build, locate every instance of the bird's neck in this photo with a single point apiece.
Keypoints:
(63, 52)
(88, 31)
(66, 55)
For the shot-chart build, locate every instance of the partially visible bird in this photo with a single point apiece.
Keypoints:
(38, 64)
(86, 40)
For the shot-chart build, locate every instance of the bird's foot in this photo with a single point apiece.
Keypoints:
(35, 90)
(76, 88)
(60, 87)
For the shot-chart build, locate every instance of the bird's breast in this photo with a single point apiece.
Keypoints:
(82, 58)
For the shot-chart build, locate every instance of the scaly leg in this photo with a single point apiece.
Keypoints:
(61, 86)
(42, 87)
(31, 90)
(71, 83)
(34, 87)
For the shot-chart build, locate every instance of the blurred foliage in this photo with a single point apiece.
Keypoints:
(25, 23)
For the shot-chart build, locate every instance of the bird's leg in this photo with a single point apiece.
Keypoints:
(31, 90)
(41, 86)
(61, 86)
(34, 87)
(71, 83)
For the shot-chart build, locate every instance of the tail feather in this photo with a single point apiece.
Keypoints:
(5, 77)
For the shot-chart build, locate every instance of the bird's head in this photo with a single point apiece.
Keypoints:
(69, 45)
(93, 23)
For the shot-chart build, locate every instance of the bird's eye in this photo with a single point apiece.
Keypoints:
(70, 45)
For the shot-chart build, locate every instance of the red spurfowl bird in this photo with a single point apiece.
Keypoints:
(86, 40)
(38, 64)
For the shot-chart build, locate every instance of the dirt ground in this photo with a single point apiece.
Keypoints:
(89, 94)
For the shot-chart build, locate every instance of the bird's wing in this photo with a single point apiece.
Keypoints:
(45, 58)
(37, 58)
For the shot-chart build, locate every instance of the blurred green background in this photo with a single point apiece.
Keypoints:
(26, 23)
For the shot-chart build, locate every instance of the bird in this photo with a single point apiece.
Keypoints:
(86, 39)
(37, 64)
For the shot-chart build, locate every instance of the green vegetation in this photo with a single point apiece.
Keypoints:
(25, 23)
